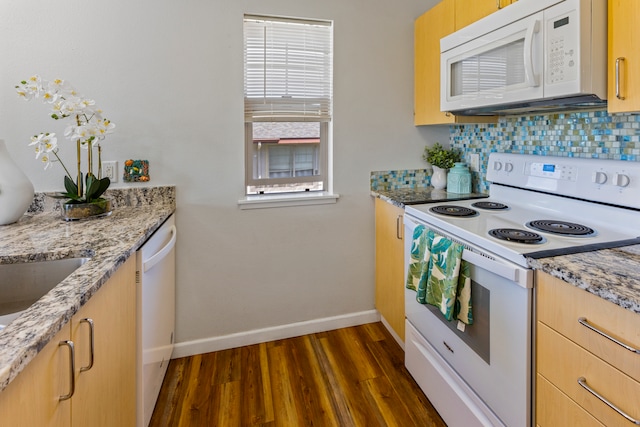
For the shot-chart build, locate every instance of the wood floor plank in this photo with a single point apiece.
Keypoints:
(283, 395)
(350, 377)
(252, 388)
(318, 406)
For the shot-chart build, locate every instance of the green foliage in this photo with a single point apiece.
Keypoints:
(94, 189)
(440, 157)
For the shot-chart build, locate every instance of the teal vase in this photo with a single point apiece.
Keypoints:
(459, 179)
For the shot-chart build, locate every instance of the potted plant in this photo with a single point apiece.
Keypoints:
(441, 160)
(88, 129)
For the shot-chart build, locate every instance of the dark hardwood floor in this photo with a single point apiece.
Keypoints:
(346, 377)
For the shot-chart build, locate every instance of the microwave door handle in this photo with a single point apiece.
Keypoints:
(530, 75)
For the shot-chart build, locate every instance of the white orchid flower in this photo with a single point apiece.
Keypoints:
(44, 143)
(104, 127)
(30, 88)
(86, 124)
(46, 160)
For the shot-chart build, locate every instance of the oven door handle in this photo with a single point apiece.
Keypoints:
(514, 273)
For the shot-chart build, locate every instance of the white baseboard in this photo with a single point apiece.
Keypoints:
(392, 332)
(207, 345)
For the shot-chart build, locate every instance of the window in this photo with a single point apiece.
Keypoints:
(287, 102)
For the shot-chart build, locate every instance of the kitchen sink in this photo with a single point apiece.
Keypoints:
(22, 284)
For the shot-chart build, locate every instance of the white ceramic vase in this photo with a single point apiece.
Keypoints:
(16, 191)
(439, 178)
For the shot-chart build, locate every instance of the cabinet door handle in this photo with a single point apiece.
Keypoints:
(91, 344)
(583, 383)
(498, 6)
(618, 93)
(399, 227)
(584, 322)
(72, 369)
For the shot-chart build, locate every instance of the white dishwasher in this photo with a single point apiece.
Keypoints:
(155, 279)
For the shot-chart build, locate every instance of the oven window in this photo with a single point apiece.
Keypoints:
(477, 336)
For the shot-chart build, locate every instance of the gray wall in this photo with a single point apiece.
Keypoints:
(169, 74)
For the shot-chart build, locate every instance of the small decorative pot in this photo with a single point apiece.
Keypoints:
(78, 211)
(459, 179)
(16, 191)
(439, 178)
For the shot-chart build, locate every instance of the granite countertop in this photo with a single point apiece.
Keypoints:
(108, 241)
(421, 195)
(612, 274)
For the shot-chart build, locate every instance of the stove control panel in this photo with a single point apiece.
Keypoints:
(552, 170)
(608, 181)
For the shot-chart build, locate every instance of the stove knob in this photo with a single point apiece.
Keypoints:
(599, 177)
(508, 167)
(497, 166)
(621, 180)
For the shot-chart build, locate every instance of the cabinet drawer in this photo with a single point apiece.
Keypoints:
(562, 362)
(554, 408)
(560, 305)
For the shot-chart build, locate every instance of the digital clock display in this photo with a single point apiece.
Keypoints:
(561, 22)
(548, 168)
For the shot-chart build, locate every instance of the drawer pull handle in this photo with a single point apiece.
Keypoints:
(583, 321)
(72, 369)
(583, 383)
(618, 93)
(91, 344)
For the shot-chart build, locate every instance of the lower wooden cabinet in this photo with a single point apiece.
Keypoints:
(390, 265)
(576, 362)
(106, 393)
(105, 388)
(32, 398)
(554, 408)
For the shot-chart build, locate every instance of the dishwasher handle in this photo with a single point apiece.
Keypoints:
(158, 256)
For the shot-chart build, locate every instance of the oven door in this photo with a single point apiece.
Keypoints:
(477, 374)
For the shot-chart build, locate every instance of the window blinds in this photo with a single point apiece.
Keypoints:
(287, 69)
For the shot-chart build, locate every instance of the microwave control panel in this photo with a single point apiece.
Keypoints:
(562, 48)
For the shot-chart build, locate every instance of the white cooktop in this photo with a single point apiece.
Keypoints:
(613, 225)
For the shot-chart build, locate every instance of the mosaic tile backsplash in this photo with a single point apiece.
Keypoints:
(395, 180)
(589, 134)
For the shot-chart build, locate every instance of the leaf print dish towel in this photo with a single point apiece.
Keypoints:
(439, 275)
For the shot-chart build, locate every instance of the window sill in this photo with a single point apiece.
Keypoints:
(286, 200)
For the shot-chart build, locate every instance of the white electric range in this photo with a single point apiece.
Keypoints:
(538, 206)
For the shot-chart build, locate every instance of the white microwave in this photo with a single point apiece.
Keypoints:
(533, 55)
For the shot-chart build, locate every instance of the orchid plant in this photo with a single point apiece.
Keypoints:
(87, 128)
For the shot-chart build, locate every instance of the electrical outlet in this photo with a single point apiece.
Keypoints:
(110, 170)
(474, 162)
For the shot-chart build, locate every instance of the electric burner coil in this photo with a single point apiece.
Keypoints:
(561, 227)
(492, 206)
(517, 235)
(453, 210)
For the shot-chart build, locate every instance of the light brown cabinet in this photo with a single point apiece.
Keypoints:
(624, 56)
(32, 398)
(105, 393)
(429, 28)
(573, 358)
(390, 265)
(468, 12)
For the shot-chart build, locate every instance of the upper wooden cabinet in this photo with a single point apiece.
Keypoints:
(468, 12)
(624, 56)
(429, 29)
(436, 23)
